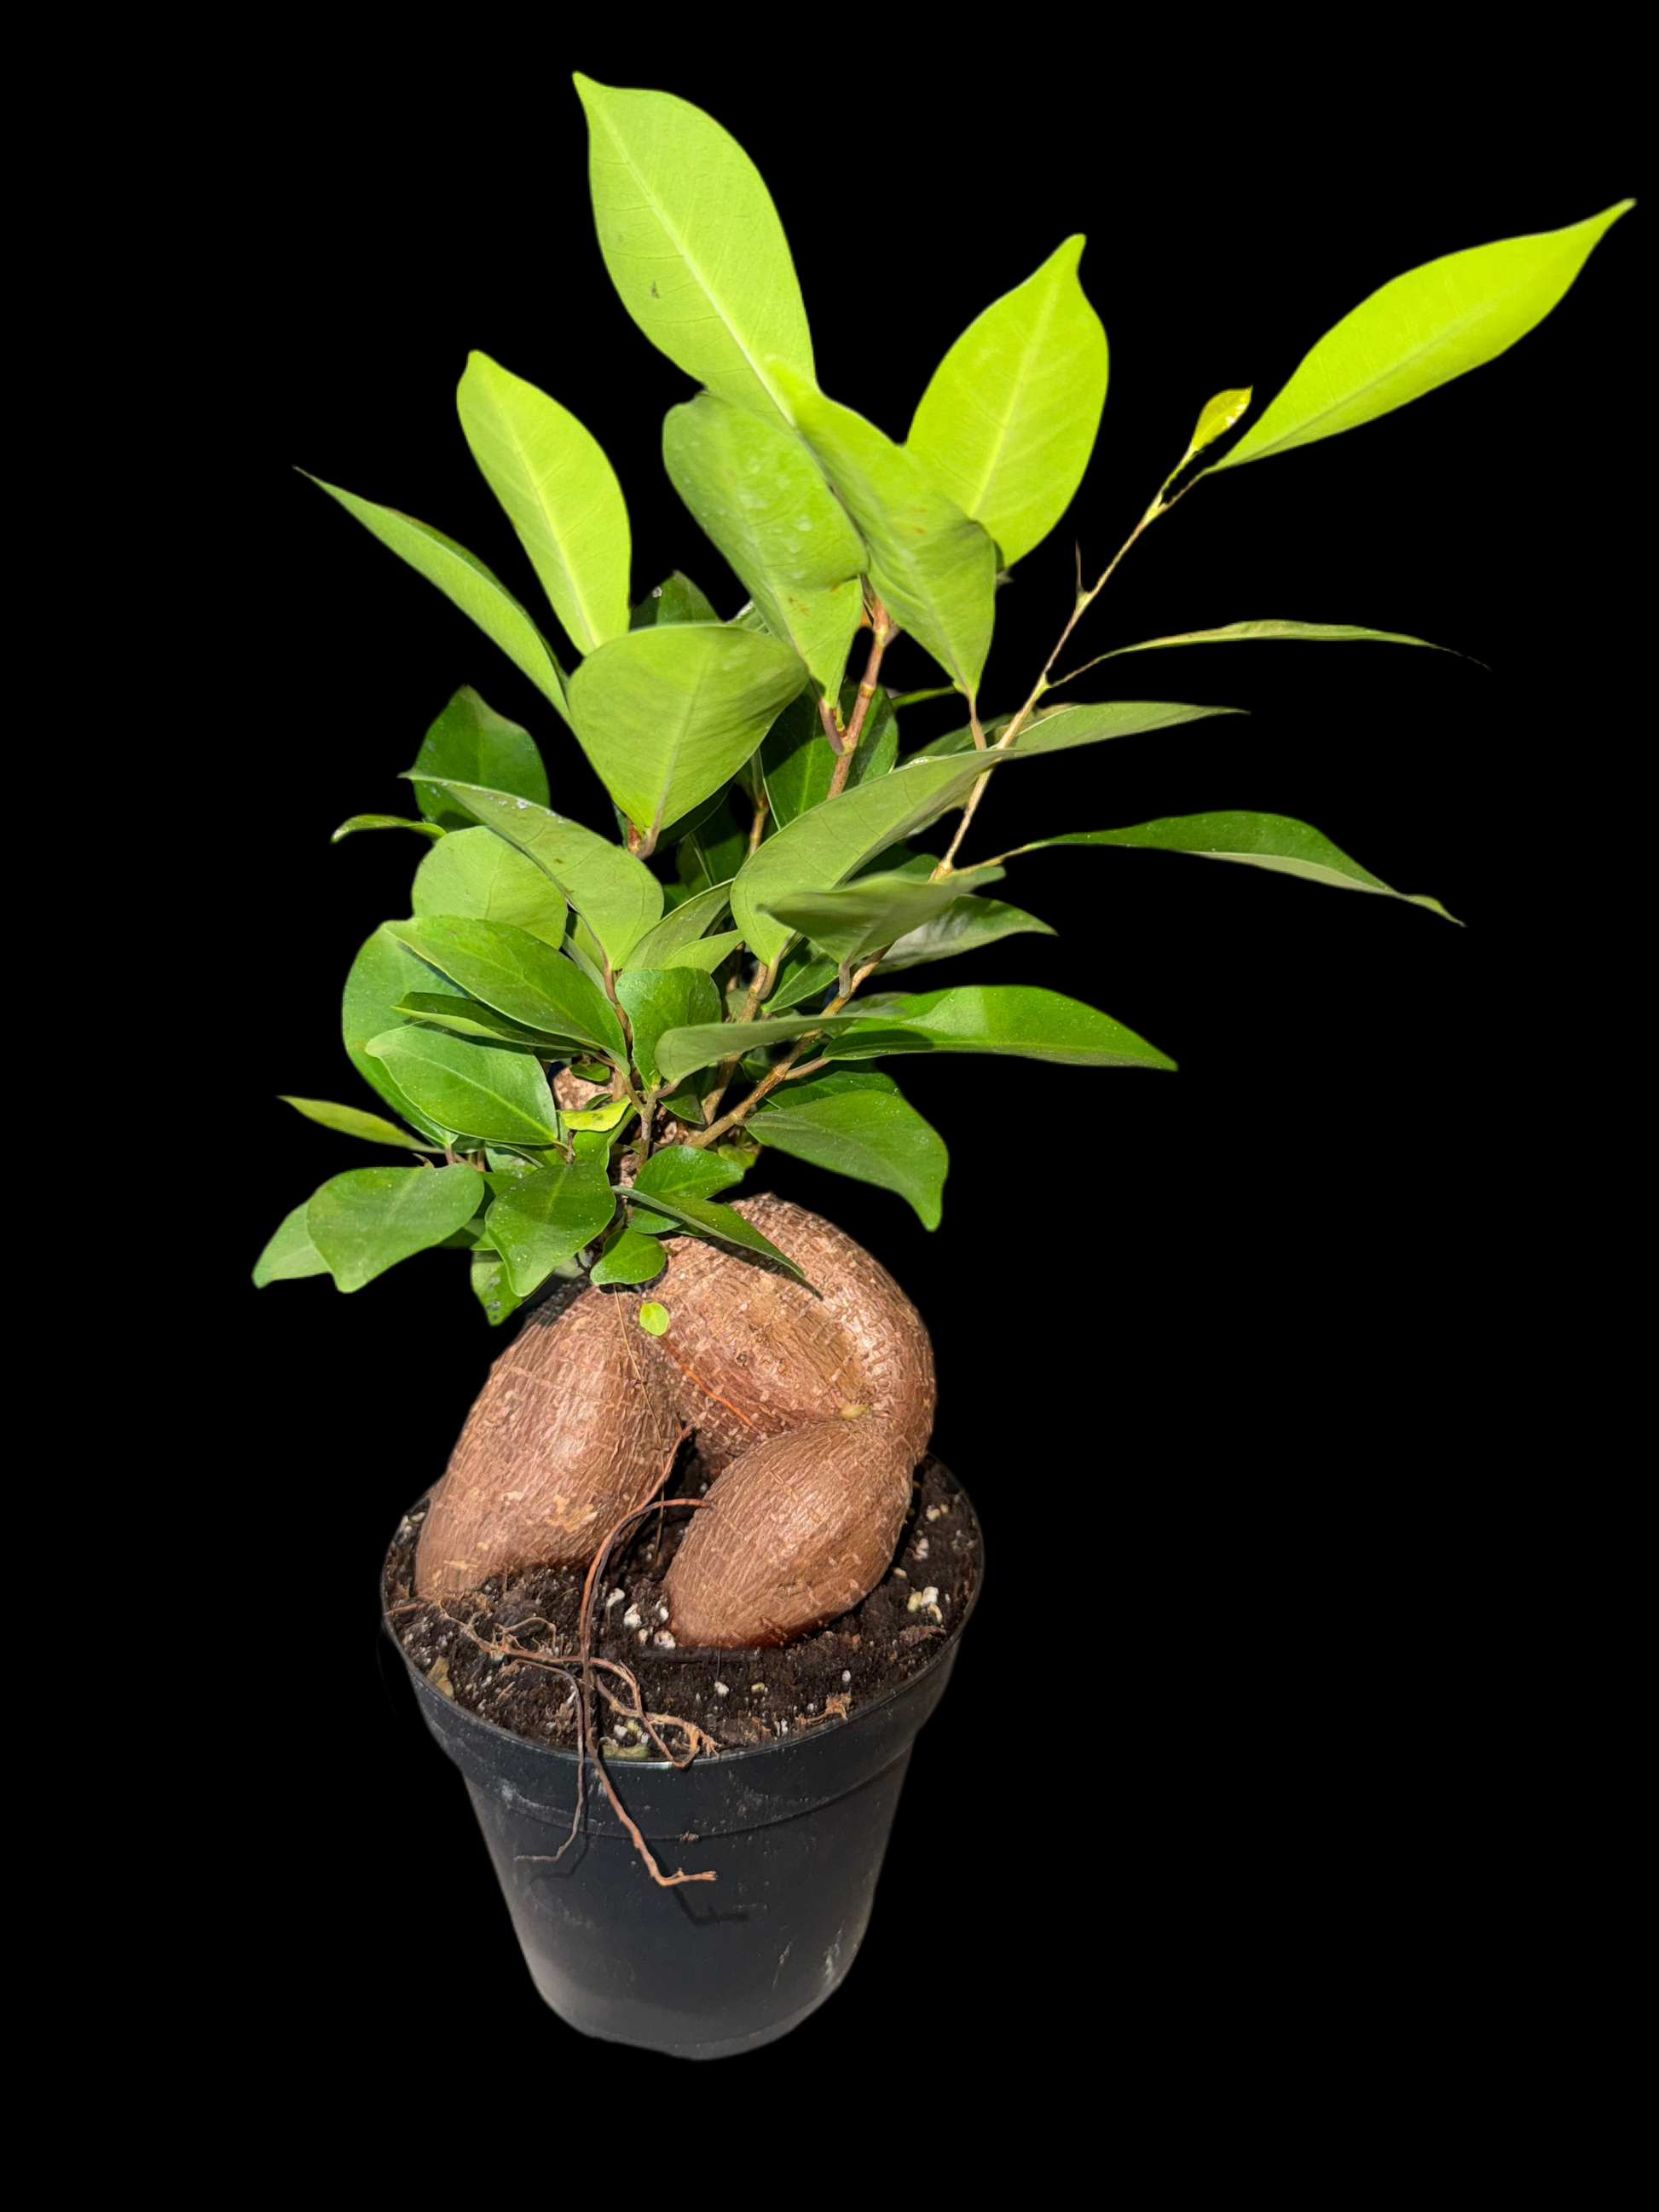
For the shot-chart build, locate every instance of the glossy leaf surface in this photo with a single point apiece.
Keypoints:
(471, 743)
(365, 1221)
(475, 872)
(859, 1124)
(540, 1220)
(382, 974)
(470, 1088)
(518, 975)
(656, 1000)
(1013, 1018)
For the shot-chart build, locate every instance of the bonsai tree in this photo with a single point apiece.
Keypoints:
(589, 1032)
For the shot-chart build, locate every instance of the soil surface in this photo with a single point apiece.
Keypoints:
(469, 1647)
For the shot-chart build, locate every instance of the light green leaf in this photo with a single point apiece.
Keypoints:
(934, 569)
(462, 577)
(471, 743)
(290, 1253)
(659, 999)
(472, 1089)
(707, 952)
(352, 1121)
(471, 1017)
(681, 928)
(538, 1221)
(1263, 840)
(1421, 330)
(381, 976)
(653, 1318)
(1216, 416)
(609, 1114)
(1008, 423)
(877, 910)
(860, 1125)
(693, 243)
(676, 599)
(491, 1288)
(719, 1224)
(755, 491)
(365, 1221)
(560, 492)
(630, 1257)
(1317, 633)
(356, 822)
(518, 975)
(616, 893)
(1013, 1018)
(667, 715)
(475, 873)
(798, 765)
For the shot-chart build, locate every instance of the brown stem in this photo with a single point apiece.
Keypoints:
(728, 1068)
(784, 1068)
(850, 743)
(763, 808)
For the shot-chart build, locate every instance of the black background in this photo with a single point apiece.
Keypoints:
(1232, 1794)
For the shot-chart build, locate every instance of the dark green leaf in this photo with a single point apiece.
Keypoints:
(797, 761)
(365, 1221)
(539, 1220)
(518, 975)
(630, 1257)
(676, 599)
(860, 1125)
(469, 1089)
(471, 1017)
(471, 743)
(381, 975)
(683, 926)
(719, 1224)
(352, 1121)
(659, 999)
(963, 927)
(861, 917)
(1001, 1017)
(681, 1171)
(491, 1288)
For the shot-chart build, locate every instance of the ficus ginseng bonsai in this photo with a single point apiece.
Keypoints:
(597, 1034)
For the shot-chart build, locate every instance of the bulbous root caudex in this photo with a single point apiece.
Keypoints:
(811, 1410)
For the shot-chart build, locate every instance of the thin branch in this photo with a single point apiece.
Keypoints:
(881, 633)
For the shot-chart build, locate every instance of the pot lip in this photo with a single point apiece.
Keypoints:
(726, 1756)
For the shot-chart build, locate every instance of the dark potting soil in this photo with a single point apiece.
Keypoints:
(737, 1699)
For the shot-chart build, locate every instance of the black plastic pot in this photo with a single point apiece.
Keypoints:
(795, 1831)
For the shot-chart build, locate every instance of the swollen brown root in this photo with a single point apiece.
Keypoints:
(813, 1410)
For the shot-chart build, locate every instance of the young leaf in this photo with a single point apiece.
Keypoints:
(1216, 417)
(538, 1221)
(1422, 330)
(676, 599)
(630, 1257)
(352, 1121)
(659, 999)
(934, 569)
(471, 743)
(471, 1017)
(668, 715)
(1008, 423)
(518, 975)
(680, 1171)
(693, 243)
(1263, 840)
(609, 1114)
(1001, 1017)
(462, 577)
(860, 1125)
(877, 910)
(681, 928)
(798, 765)
(356, 822)
(290, 1253)
(755, 491)
(561, 495)
(491, 1288)
(653, 1318)
(381, 976)
(616, 893)
(1318, 633)
(478, 873)
(720, 1226)
(365, 1221)
(472, 1089)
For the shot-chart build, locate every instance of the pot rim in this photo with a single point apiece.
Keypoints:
(726, 1755)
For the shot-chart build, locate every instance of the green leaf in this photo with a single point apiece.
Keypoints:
(1263, 840)
(616, 893)
(1216, 417)
(471, 743)
(538, 1221)
(718, 1225)
(659, 999)
(471, 1017)
(1008, 423)
(668, 715)
(518, 975)
(798, 765)
(676, 599)
(475, 873)
(365, 1221)
(1318, 633)
(875, 911)
(356, 822)
(382, 974)
(462, 578)
(963, 927)
(693, 243)
(653, 1318)
(1421, 330)
(755, 491)
(934, 569)
(472, 1089)
(630, 1257)
(1013, 1018)
(352, 1121)
(290, 1253)
(713, 852)
(491, 1288)
(561, 495)
(681, 928)
(681, 1171)
(608, 1115)
(860, 1125)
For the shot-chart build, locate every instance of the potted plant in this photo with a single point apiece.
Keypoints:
(690, 1583)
